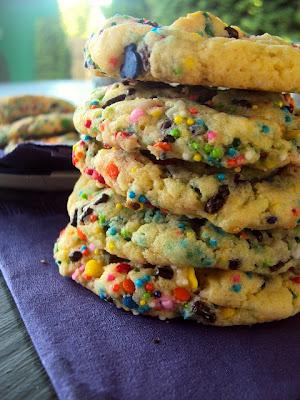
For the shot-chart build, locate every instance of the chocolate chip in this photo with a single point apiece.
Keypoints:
(134, 206)
(73, 221)
(116, 99)
(263, 155)
(86, 213)
(272, 220)
(145, 55)
(169, 139)
(203, 311)
(102, 199)
(166, 124)
(277, 266)
(297, 239)
(164, 272)
(216, 202)
(237, 179)
(147, 22)
(131, 91)
(232, 33)
(133, 63)
(75, 256)
(234, 264)
(241, 102)
(258, 235)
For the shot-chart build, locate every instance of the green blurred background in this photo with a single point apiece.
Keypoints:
(44, 39)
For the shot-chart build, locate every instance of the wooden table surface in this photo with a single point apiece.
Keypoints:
(22, 375)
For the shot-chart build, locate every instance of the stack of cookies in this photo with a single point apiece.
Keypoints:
(189, 200)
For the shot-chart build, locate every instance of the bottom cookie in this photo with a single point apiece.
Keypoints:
(208, 296)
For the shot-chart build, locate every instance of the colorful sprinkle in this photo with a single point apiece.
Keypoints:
(136, 114)
(88, 123)
(181, 294)
(131, 194)
(123, 268)
(112, 170)
(211, 136)
(93, 268)
(236, 287)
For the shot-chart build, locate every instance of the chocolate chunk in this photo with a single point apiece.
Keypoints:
(169, 139)
(234, 264)
(203, 311)
(109, 102)
(297, 239)
(166, 124)
(216, 202)
(145, 55)
(164, 272)
(232, 33)
(75, 256)
(73, 221)
(241, 102)
(272, 220)
(133, 63)
(237, 179)
(147, 22)
(102, 199)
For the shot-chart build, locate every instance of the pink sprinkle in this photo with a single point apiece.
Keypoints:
(89, 171)
(136, 114)
(110, 278)
(81, 268)
(236, 278)
(113, 61)
(92, 247)
(75, 274)
(167, 303)
(211, 136)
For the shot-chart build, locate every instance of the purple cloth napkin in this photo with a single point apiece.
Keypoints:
(91, 350)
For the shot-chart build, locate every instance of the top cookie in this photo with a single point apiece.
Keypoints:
(196, 49)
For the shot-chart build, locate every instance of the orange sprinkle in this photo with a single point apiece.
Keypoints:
(93, 218)
(116, 287)
(181, 294)
(193, 110)
(243, 235)
(128, 286)
(163, 146)
(149, 287)
(112, 170)
(81, 235)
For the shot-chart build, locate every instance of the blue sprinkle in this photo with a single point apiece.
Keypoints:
(129, 302)
(139, 283)
(265, 129)
(249, 274)
(112, 231)
(236, 287)
(207, 262)
(213, 242)
(146, 278)
(155, 29)
(142, 199)
(220, 177)
(181, 225)
(131, 195)
(94, 102)
(157, 293)
(231, 152)
(83, 248)
(102, 294)
(143, 309)
(287, 118)
(86, 138)
(200, 122)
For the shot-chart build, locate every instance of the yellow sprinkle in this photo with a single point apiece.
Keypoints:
(190, 235)
(93, 268)
(142, 302)
(190, 121)
(178, 119)
(192, 278)
(189, 62)
(197, 157)
(228, 312)
(119, 206)
(96, 252)
(111, 246)
(141, 206)
(133, 170)
(254, 107)
(156, 112)
(238, 169)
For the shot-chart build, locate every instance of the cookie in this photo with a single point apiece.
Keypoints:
(207, 296)
(16, 107)
(37, 127)
(179, 128)
(198, 49)
(228, 200)
(148, 235)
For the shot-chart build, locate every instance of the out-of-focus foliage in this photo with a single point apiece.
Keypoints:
(75, 18)
(52, 54)
(277, 17)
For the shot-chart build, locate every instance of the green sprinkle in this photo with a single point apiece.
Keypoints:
(175, 133)
(217, 152)
(195, 146)
(101, 219)
(208, 25)
(208, 148)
